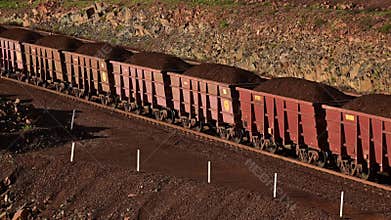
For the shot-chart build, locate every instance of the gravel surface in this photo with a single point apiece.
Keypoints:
(101, 181)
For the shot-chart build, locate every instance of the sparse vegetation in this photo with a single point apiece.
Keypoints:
(386, 28)
(319, 22)
(224, 24)
(367, 23)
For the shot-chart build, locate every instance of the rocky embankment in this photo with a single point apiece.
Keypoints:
(344, 45)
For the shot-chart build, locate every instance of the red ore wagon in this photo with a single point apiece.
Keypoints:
(204, 96)
(89, 72)
(45, 61)
(12, 51)
(359, 134)
(142, 84)
(286, 113)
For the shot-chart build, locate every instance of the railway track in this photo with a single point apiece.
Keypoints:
(204, 136)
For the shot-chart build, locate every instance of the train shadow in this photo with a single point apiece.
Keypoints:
(46, 128)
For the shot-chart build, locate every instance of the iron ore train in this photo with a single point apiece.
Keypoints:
(315, 122)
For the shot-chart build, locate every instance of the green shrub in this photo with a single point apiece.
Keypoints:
(386, 28)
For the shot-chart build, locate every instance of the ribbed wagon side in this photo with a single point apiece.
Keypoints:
(360, 142)
(12, 55)
(45, 62)
(207, 103)
(89, 76)
(144, 89)
(142, 84)
(273, 121)
(90, 73)
(12, 50)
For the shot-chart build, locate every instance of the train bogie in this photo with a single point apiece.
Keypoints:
(142, 83)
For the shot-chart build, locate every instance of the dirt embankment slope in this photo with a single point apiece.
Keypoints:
(343, 43)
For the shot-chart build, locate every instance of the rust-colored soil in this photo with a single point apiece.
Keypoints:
(376, 104)
(102, 183)
(159, 61)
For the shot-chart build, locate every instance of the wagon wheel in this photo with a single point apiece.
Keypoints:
(222, 133)
(302, 154)
(87, 97)
(126, 107)
(79, 94)
(137, 111)
(20, 77)
(272, 147)
(237, 136)
(170, 117)
(343, 166)
(163, 115)
(104, 100)
(186, 123)
(260, 144)
(199, 127)
(156, 114)
(321, 159)
(364, 172)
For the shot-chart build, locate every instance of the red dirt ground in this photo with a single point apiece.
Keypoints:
(102, 182)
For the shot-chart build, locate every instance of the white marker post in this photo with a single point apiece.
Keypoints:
(72, 151)
(275, 186)
(341, 207)
(73, 118)
(208, 171)
(138, 160)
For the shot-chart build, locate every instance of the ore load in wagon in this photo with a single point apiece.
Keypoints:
(20, 35)
(223, 73)
(104, 51)
(59, 42)
(159, 61)
(374, 104)
(303, 90)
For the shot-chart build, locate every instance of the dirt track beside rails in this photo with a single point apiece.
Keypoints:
(102, 181)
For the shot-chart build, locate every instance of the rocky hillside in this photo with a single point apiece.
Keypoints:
(343, 44)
